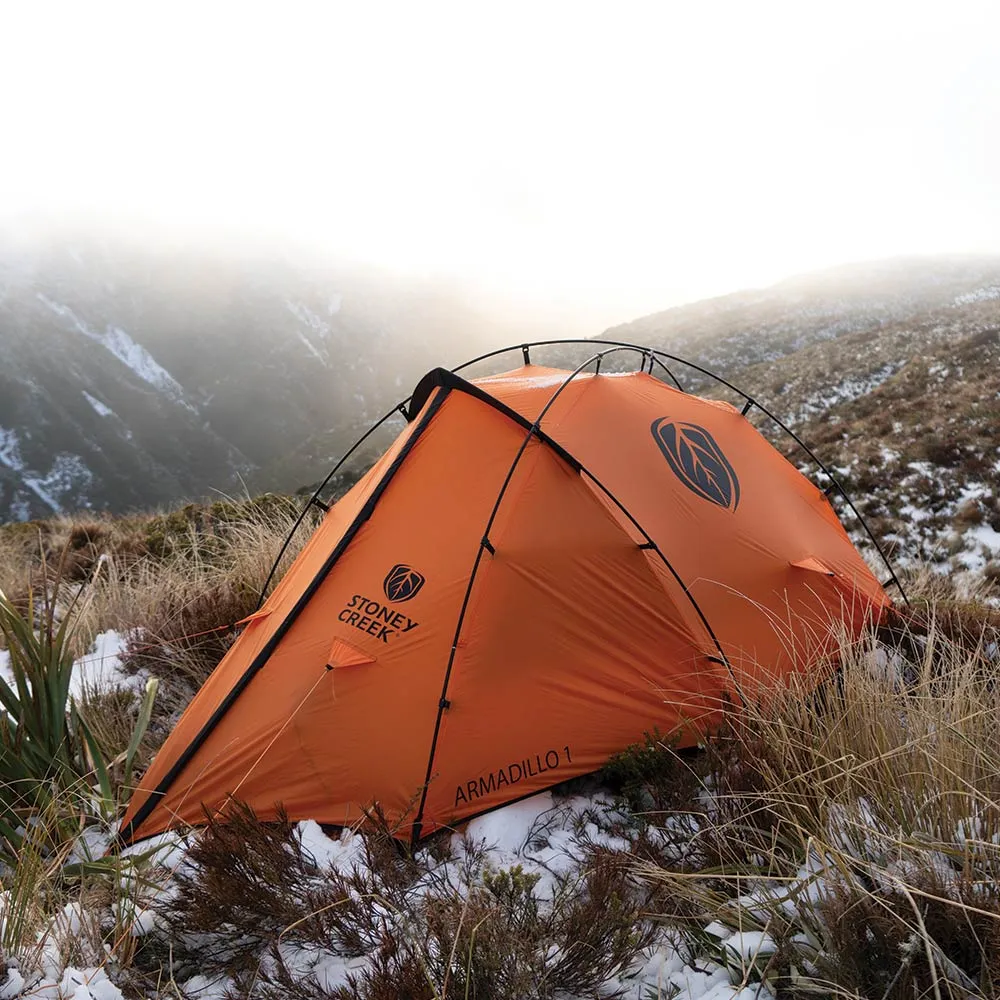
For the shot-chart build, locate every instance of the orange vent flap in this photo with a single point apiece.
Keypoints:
(343, 654)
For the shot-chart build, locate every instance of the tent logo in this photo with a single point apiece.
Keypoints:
(697, 461)
(403, 582)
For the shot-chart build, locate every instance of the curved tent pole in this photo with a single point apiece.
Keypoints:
(834, 484)
(314, 500)
(485, 545)
(673, 377)
(653, 353)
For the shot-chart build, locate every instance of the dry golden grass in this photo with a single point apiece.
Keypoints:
(145, 571)
(859, 828)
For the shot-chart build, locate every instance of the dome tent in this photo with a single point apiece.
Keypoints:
(542, 567)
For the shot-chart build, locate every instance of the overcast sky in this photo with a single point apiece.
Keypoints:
(622, 155)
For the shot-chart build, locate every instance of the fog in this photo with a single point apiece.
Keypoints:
(573, 163)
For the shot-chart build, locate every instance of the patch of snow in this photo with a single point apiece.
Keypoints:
(983, 545)
(849, 389)
(334, 303)
(98, 670)
(973, 491)
(69, 984)
(136, 357)
(507, 829)
(101, 668)
(168, 850)
(205, 988)
(915, 514)
(13, 986)
(99, 407)
(986, 294)
(923, 469)
(68, 477)
(10, 450)
(308, 318)
(338, 853)
(312, 350)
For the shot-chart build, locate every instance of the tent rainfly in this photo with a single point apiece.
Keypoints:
(543, 567)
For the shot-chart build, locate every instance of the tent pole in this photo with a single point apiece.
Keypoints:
(486, 545)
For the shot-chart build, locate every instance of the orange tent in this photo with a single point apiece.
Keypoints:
(502, 602)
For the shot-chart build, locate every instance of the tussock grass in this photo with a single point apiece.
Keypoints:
(175, 583)
(69, 763)
(857, 829)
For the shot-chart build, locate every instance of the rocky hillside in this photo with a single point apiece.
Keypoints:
(135, 378)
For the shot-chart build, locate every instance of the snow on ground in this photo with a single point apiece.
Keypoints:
(68, 477)
(10, 450)
(309, 346)
(846, 390)
(982, 546)
(986, 294)
(309, 319)
(10, 457)
(99, 670)
(61, 984)
(546, 836)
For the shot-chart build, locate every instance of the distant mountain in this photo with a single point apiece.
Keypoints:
(133, 378)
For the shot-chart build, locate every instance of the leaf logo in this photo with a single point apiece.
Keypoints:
(402, 583)
(697, 461)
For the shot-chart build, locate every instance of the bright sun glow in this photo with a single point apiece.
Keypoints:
(623, 155)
